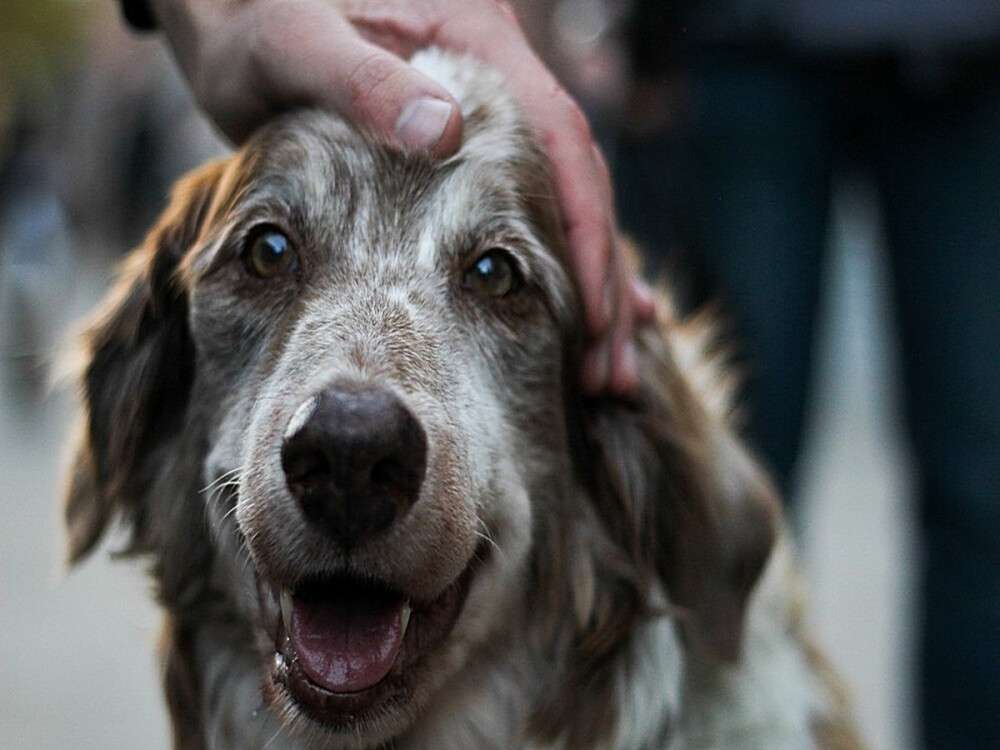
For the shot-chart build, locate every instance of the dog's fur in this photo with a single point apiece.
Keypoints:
(631, 587)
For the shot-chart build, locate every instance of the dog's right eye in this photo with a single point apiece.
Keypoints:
(268, 253)
(494, 274)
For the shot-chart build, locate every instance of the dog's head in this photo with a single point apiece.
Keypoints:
(334, 397)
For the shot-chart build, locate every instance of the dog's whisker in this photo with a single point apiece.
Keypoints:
(221, 495)
(486, 528)
(224, 480)
(489, 540)
(227, 474)
(228, 513)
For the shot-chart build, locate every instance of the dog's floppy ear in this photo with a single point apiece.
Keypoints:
(677, 492)
(138, 364)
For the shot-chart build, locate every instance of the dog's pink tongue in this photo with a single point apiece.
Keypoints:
(347, 640)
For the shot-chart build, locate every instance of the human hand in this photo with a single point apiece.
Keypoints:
(246, 61)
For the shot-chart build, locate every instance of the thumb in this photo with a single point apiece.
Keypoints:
(388, 96)
(336, 68)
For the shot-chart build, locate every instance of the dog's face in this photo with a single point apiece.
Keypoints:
(379, 358)
(378, 347)
(358, 366)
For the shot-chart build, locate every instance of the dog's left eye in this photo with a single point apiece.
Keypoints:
(268, 253)
(494, 274)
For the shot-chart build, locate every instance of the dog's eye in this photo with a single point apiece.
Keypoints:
(268, 253)
(494, 274)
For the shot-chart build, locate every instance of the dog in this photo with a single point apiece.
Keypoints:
(333, 399)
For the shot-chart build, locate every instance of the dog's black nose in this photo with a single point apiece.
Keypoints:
(354, 456)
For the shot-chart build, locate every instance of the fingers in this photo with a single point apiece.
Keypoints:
(584, 192)
(643, 302)
(312, 55)
(584, 195)
(614, 360)
(258, 58)
(583, 184)
(623, 368)
(581, 179)
(611, 362)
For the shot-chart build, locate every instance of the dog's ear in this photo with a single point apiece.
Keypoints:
(676, 491)
(138, 364)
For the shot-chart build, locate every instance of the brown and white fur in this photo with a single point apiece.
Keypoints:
(628, 582)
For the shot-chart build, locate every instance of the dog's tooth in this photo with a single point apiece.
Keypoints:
(279, 661)
(407, 610)
(286, 608)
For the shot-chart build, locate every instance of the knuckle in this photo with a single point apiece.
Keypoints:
(366, 82)
(415, 21)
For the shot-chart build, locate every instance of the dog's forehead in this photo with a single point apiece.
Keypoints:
(330, 172)
(314, 162)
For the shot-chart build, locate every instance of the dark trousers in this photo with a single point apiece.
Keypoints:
(753, 174)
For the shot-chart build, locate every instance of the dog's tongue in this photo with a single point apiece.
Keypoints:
(347, 639)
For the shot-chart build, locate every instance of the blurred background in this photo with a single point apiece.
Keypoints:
(95, 124)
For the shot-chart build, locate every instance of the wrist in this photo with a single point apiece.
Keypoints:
(183, 15)
(184, 23)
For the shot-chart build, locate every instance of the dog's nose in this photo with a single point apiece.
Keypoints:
(354, 456)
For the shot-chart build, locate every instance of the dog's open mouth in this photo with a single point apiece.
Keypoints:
(346, 635)
(345, 646)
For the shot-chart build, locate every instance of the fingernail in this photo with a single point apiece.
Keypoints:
(645, 302)
(644, 295)
(423, 121)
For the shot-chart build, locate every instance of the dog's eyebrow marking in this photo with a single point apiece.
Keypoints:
(427, 248)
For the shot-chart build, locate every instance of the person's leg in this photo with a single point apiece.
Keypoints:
(757, 176)
(940, 177)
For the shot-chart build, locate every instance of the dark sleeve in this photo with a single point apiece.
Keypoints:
(138, 14)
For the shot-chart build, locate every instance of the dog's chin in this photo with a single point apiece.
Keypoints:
(353, 655)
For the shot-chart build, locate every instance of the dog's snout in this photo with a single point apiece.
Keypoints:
(354, 457)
